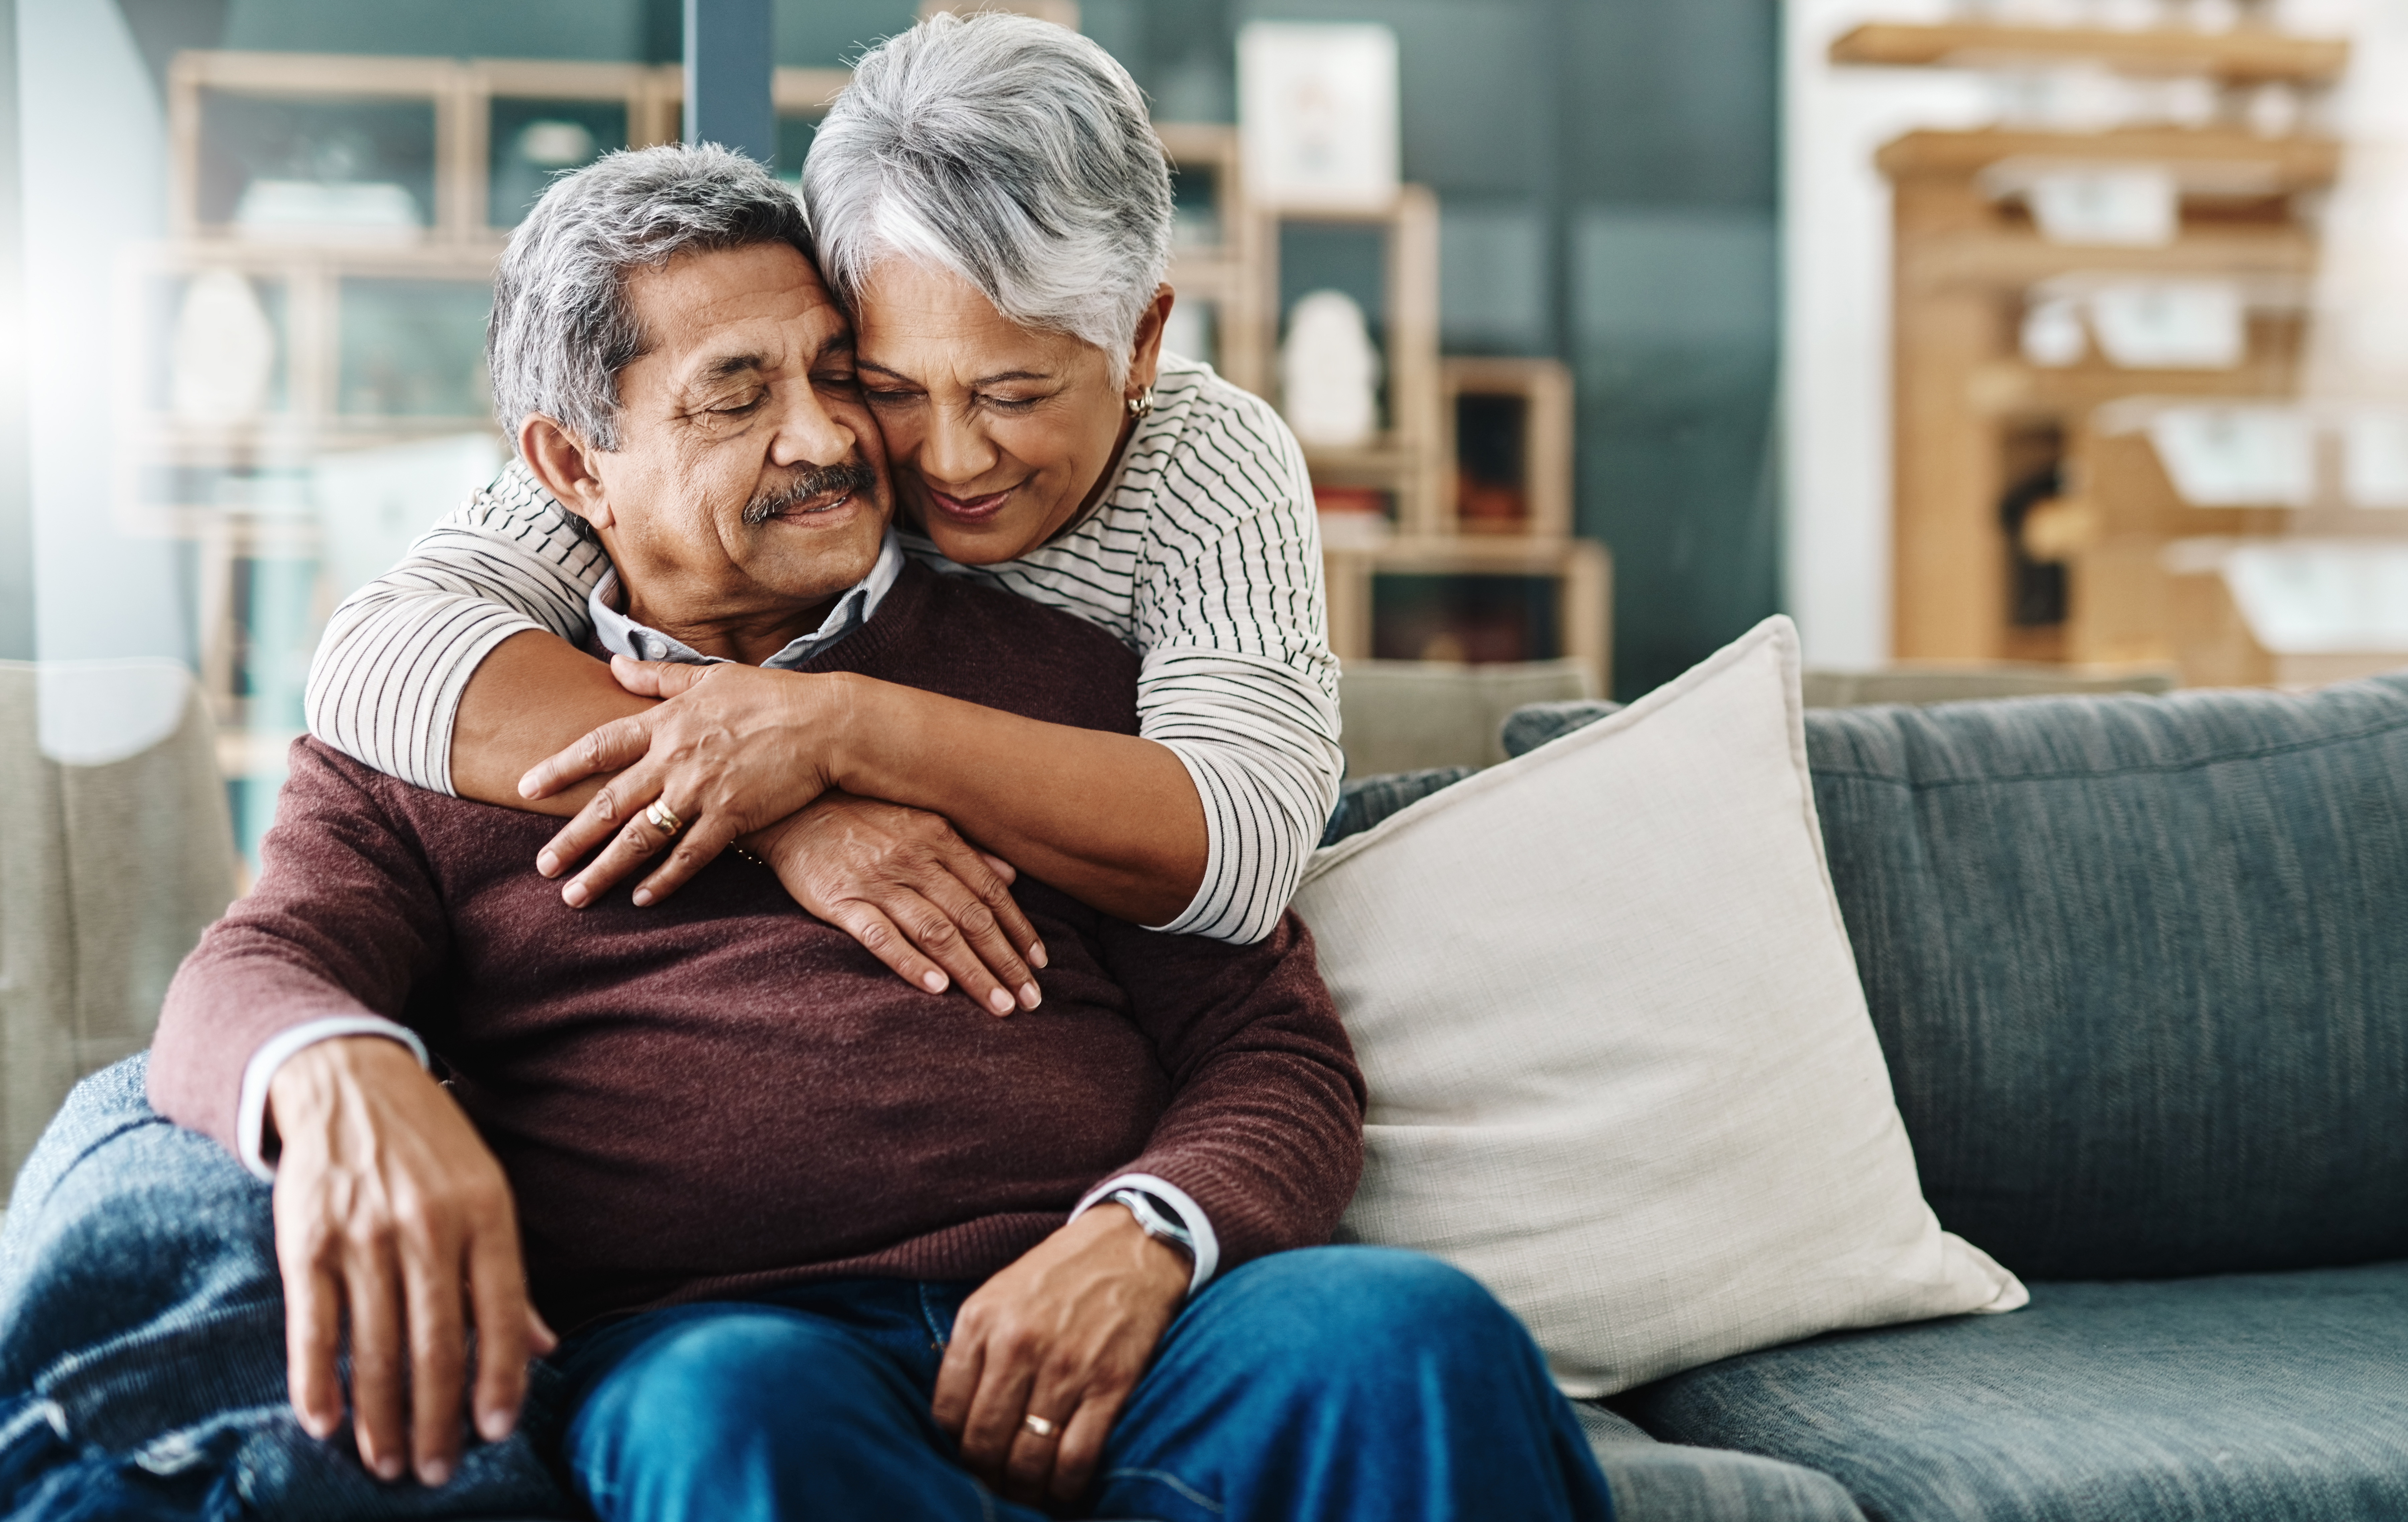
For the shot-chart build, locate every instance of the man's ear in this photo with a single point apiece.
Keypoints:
(1145, 354)
(565, 465)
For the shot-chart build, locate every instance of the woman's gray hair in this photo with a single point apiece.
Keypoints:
(1011, 151)
(562, 328)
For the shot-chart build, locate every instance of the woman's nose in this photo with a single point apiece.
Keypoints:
(956, 452)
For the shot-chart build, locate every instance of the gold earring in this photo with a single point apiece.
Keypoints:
(1141, 403)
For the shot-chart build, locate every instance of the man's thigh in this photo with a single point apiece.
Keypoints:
(1342, 1382)
(142, 1333)
(756, 1408)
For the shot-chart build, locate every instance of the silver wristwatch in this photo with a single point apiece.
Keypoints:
(1156, 1218)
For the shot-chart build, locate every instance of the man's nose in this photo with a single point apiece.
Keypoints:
(807, 432)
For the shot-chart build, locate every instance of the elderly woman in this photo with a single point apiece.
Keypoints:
(993, 208)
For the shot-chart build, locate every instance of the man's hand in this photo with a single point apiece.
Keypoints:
(1064, 1335)
(387, 1205)
(735, 748)
(903, 884)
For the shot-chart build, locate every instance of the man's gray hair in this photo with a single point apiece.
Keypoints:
(562, 328)
(1012, 152)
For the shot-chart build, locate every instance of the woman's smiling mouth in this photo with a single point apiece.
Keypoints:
(969, 510)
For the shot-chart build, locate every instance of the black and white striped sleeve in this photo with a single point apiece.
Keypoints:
(385, 685)
(1237, 679)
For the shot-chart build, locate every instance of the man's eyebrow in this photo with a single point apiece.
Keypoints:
(728, 366)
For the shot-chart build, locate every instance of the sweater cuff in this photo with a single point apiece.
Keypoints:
(250, 1113)
(1191, 1215)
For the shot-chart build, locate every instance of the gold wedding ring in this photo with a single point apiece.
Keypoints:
(664, 818)
(1038, 1424)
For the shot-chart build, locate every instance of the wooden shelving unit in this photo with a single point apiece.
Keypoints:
(1975, 421)
(1426, 541)
(2241, 55)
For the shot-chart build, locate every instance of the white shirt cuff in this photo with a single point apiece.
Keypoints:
(250, 1111)
(1191, 1215)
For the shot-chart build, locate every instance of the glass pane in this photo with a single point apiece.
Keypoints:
(221, 340)
(1465, 618)
(794, 135)
(415, 349)
(1196, 206)
(1491, 486)
(535, 141)
(279, 165)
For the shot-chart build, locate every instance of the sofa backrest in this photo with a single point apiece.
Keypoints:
(2139, 966)
(115, 854)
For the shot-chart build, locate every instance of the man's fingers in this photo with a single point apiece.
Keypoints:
(313, 1330)
(438, 1353)
(977, 871)
(621, 742)
(1081, 1446)
(508, 1331)
(1030, 1463)
(377, 1359)
(957, 1381)
(993, 1424)
(982, 930)
(932, 931)
(867, 924)
(692, 850)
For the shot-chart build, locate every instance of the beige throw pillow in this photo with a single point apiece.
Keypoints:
(1621, 1067)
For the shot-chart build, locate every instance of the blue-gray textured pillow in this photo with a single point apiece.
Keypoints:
(2140, 967)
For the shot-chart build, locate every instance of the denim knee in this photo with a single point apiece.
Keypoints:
(1336, 1301)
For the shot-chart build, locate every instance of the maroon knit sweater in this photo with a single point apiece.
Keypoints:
(721, 1092)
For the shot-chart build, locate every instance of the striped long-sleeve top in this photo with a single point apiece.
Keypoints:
(1203, 557)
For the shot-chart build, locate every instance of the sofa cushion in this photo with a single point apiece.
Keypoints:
(2139, 966)
(2265, 1398)
(1671, 1482)
(1619, 1065)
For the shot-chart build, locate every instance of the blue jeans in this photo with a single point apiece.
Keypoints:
(142, 1376)
(1330, 1382)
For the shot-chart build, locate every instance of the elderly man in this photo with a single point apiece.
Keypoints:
(818, 1242)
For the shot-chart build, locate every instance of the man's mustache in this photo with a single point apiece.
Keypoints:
(817, 480)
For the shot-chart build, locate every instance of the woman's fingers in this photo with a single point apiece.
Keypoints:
(619, 803)
(689, 852)
(656, 679)
(621, 742)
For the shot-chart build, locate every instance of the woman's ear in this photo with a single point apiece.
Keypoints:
(1145, 354)
(562, 463)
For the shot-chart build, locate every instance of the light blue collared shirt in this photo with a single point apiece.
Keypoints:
(622, 636)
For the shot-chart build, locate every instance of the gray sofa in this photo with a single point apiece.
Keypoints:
(2140, 967)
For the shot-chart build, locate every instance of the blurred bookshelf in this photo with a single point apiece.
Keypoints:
(307, 390)
(1447, 535)
(2099, 345)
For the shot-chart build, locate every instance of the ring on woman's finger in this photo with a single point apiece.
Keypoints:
(664, 818)
(1038, 1424)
